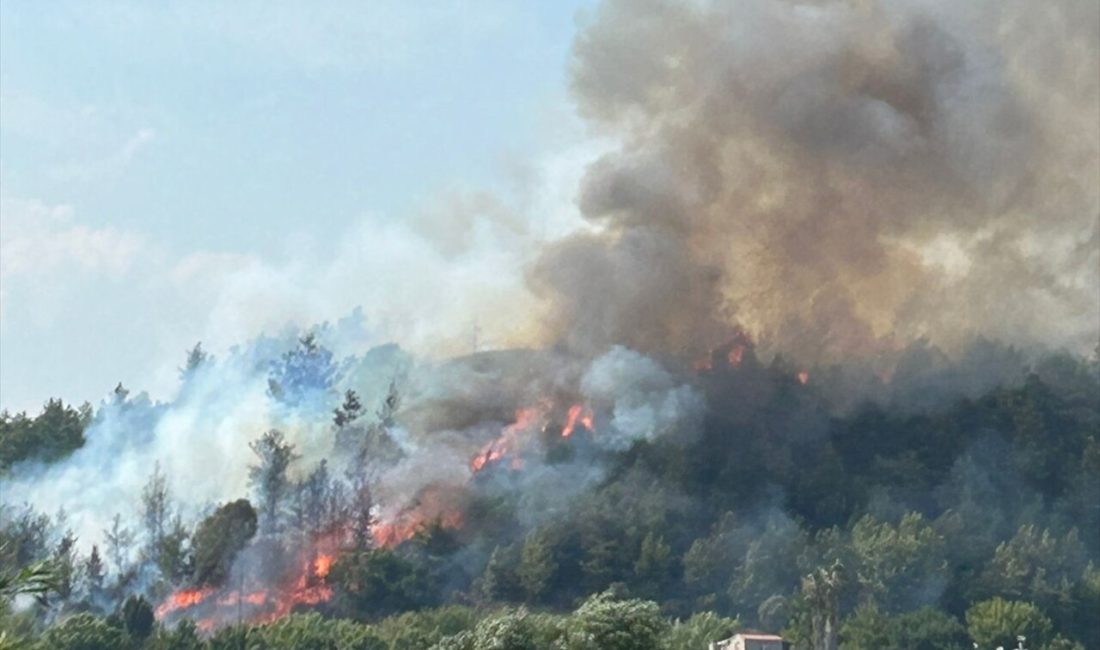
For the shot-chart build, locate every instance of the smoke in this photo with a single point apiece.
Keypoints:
(645, 400)
(834, 176)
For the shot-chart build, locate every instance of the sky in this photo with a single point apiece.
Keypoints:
(181, 171)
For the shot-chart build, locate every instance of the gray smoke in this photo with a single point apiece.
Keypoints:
(837, 177)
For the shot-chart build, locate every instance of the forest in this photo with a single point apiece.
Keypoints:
(948, 503)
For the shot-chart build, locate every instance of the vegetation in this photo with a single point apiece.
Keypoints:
(885, 526)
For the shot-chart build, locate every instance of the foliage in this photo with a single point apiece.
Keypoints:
(924, 629)
(379, 582)
(303, 374)
(218, 539)
(997, 622)
(50, 436)
(269, 477)
(604, 623)
(699, 631)
(85, 632)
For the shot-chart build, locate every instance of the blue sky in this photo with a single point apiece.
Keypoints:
(156, 158)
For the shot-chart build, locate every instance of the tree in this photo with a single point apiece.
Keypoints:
(137, 618)
(822, 590)
(269, 477)
(654, 565)
(173, 558)
(85, 632)
(897, 565)
(155, 514)
(65, 565)
(699, 631)
(119, 540)
(537, 566)
(499, 582)
(604, 623)
(37, 580)
(379, 582)
(50, 436)
(769, 565)
(349, 411)
(196, 358)
(316, 633)
(508, 630)
(219, 538)
(304, 374)
(1036, 566)
(93, 574)
(997, 622)
(184, 636)
(924, 629)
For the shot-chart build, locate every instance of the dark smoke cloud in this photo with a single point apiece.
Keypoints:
(838, 177)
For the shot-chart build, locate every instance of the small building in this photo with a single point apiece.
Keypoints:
(751, 641)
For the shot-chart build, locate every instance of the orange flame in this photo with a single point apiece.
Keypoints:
(183, 600)
(577, 414)
(322, 565)
(508, 442)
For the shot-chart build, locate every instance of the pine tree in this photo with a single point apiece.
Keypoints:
(155, 501)
(269, 477)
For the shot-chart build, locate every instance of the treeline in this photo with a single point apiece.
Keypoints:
(50, 436)
(909, 528)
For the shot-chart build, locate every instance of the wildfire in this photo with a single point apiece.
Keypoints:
(182, 600)
(306, 586)
(433, 505)
(322, 565)
(577, 414)
(307, 583)
(507, 444)
(736, 355)
(512, 438)
(803, 377)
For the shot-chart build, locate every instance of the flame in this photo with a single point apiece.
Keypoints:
(803, 377)
(578, 414)
(433, 504)
(736, 355)
(184, 599)
(507, 444)
(322, 565)
(304, 586)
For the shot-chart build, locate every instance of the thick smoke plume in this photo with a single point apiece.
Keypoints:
(835, 176)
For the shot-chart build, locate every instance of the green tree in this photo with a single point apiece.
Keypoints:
(156, 513)
(654, 566)
(1036, 566)
(137, 618)
(85, 632)
(898, 565)
(510, 630)
(50, 436)
(604, 623)
(537, 566)
(499, 581)
(699, 631)
(184, 636)
(218, 539)
(269, 477)
(299, 631)
(372, 584)
(997, 622)
(924, 629)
